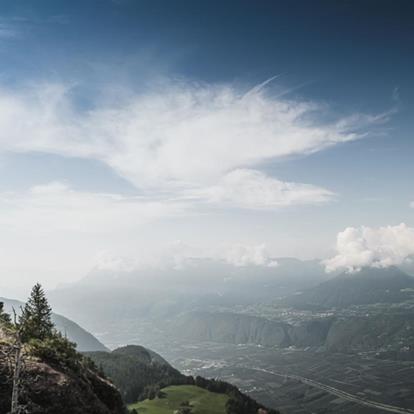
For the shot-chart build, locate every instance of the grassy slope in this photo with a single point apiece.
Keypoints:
(203, 401)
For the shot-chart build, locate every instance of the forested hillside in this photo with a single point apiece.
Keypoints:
(136, 371)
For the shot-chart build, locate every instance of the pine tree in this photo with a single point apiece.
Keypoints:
(4, 317)
(36, 319)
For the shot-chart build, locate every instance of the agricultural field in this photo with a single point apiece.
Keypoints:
(200, 400)
(286, 379)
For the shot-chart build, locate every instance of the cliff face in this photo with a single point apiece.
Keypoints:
(50, 390)
(310, 333)
(231, 328)
(383, 331)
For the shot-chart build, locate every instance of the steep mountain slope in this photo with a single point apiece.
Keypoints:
(134, 368)
(55, 390)
(57, 380)
(368, 286)
(85, 341)
(375, 332)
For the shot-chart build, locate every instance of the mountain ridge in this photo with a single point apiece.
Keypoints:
(85, 340)
(367, 286)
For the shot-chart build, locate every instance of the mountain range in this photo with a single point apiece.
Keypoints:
(367, 286)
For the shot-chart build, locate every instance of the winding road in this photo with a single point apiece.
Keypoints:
(339, 393)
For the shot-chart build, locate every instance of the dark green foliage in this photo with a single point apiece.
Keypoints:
(36, 316)
(137, 372)
(185, 410)
(161, 394)
(4, 317)
(150, 392)
(56, 350)
(141, 374)
(234, 406)
(238, 403)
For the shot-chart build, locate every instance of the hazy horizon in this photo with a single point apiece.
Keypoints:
(137, 132)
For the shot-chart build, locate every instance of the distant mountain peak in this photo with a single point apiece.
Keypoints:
(367, 286)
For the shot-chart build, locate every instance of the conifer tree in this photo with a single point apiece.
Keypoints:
(4, 317)
(36, 319)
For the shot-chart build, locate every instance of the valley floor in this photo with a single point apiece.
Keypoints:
(298, 381)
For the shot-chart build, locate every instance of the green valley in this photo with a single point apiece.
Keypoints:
(200, 400)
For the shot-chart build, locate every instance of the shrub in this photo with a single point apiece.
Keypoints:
(56, 350)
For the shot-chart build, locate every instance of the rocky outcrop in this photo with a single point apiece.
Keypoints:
(49, 390)
(54, 379)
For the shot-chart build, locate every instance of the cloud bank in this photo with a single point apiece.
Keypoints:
(183, 139)
(178, 255)
(241, 255)
(246, 188)
(372, 247)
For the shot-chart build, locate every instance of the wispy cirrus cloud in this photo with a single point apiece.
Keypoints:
(55, 207)
(183, 138)
(8, 31)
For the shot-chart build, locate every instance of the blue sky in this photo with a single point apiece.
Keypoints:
(148, 114)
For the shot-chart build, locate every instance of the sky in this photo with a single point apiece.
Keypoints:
(134, 130)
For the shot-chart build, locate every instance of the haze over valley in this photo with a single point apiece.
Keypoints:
(206, 207)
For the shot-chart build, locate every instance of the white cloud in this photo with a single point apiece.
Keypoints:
(184, 139)
(372, 247)
(7, 31)
(248, 255)
(55, 207)
(252, 189)
(180, 255)
(106, 261)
